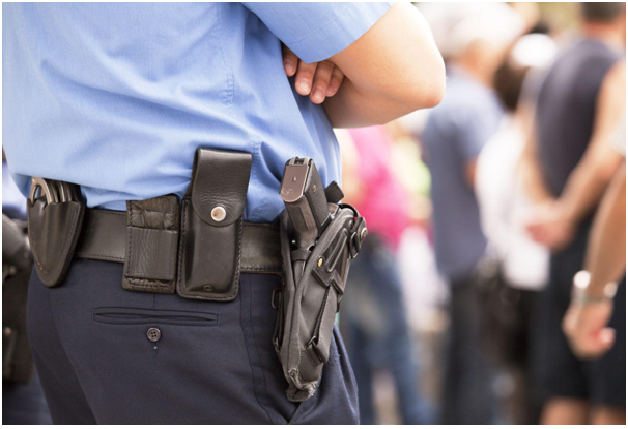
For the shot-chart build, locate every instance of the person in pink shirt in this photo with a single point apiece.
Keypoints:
(373, 318)
(380, 197)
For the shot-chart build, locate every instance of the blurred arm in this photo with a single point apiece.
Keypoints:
(535, 186)
(587, 182)
(586, 326)
(470, 170)
(352, 186)
(555, 222)
(394, 69)
(606, 258)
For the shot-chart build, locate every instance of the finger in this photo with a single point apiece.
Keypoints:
(321, 81)
(334, 84)
(304, 78)
(290, 61)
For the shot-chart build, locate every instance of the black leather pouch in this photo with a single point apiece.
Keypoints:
(211, 225)
(152, 235)
(53, 231)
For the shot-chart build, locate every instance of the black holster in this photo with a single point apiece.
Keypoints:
(309, 305)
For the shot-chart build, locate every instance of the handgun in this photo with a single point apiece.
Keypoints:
(304, 196)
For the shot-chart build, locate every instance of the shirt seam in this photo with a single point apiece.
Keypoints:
(347, 33)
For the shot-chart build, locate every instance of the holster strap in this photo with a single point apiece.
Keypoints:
(104, 234)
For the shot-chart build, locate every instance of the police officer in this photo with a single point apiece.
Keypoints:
(117, 98)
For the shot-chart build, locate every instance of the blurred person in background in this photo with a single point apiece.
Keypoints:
(13, 202)
(454, 135)
(373, 319)
(569, 163)
(514, 268)
(586, 322)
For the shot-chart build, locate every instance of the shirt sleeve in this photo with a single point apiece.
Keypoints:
(317, 31)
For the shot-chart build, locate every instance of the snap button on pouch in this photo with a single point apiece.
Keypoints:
(218, 213)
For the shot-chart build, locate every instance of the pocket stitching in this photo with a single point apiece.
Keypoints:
(147, 316)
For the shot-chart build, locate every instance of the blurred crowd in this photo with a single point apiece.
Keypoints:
(480, 213)
(456, 310)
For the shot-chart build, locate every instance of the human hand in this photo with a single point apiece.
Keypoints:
(318, 80)
(550, 225)
(586, 328)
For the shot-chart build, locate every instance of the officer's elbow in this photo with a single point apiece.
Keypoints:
(428, 88)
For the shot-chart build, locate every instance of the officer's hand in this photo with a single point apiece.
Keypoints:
(318, 80)
(586, 329)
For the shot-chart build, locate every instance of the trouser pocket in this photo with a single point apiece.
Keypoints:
(137, 316)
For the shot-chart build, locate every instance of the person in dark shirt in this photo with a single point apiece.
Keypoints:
(569, 164)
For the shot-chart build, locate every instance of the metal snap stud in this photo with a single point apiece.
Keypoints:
(153, 334)
(207, 288)
(218, 213)
(320, 262)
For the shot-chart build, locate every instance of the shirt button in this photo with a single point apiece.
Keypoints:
(153, 334)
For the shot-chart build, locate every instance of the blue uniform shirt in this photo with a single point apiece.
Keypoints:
(455, 133)
(117, 96)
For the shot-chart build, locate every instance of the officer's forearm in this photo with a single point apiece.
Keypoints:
(352, 108)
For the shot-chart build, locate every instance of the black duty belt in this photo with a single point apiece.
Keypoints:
(196, 246)
(104, 237)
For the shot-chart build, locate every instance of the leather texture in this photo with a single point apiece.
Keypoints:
(220, 179)
(104, 238)
(210, 250)
(209, 257)
(261, 249)
(53, 231)
(152, 233)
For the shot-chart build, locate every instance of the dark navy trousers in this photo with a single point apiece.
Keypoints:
(212, 363)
